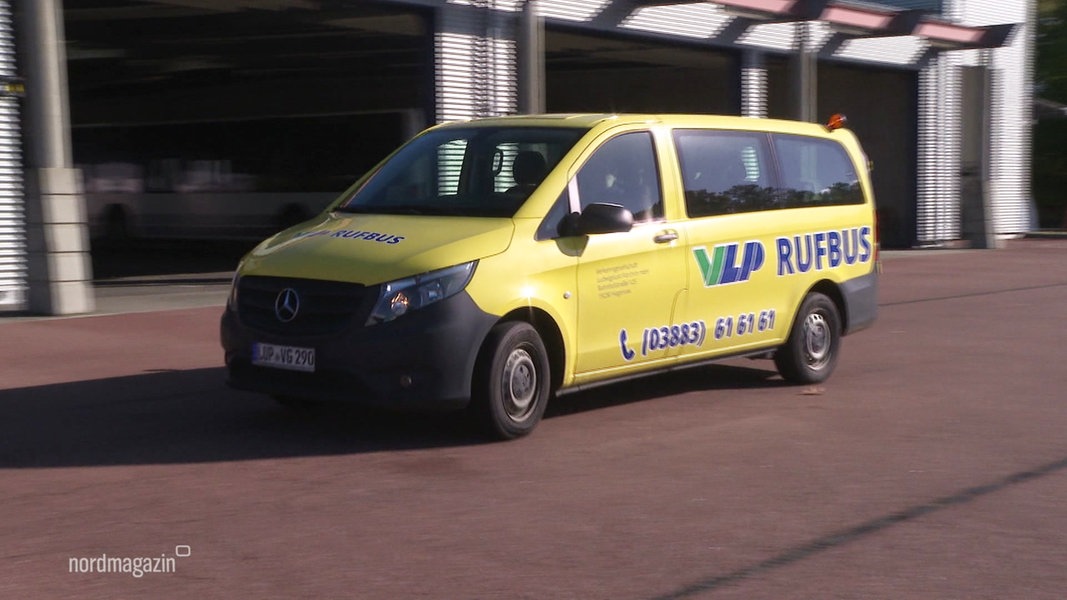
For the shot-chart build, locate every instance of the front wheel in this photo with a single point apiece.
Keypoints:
(810, 353)
(511, 383)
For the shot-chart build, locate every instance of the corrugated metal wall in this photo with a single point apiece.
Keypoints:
(940, 98)
(12, 217)
(475, 60)
(753, 86)
(940, 134)
(1011, 109)
(475, 75)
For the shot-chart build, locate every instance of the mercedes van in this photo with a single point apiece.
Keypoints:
(497, 263)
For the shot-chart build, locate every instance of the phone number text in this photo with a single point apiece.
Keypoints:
(743, 324)
(661, 338)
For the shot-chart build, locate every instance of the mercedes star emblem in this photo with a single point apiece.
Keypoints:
(287, 305)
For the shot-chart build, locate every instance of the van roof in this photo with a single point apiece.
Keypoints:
(590, 120)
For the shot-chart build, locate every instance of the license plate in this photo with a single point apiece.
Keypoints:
(284, 357)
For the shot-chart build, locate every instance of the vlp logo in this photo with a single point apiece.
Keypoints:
(724, 266)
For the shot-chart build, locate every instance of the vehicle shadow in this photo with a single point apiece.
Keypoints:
(694, 379)
(192, 416)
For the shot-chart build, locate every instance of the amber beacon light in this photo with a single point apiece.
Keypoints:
(837, 121)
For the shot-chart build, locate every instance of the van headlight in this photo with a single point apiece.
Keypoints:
(400, 297)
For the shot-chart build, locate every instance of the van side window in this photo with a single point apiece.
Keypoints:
(725, 172)
(623, 171)
(815, 172)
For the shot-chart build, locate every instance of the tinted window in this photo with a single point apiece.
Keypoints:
(623, 171)
(815, 172)
(475, 171)
(725, 172)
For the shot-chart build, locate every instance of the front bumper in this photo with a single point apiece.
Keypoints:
(423, 360)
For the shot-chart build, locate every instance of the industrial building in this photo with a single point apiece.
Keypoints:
(184, 102)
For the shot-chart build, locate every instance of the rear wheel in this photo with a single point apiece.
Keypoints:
(511, 383)
(810, 354)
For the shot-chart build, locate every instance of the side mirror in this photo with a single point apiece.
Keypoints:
(597, 218)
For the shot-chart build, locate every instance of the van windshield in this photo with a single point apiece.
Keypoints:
(473, 171)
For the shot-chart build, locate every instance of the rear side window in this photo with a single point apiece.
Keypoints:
(725, 172)
(815, 172)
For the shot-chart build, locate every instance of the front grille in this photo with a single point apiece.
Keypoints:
(325, 306)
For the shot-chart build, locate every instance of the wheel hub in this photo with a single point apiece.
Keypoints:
(816, 340)
(520, 384)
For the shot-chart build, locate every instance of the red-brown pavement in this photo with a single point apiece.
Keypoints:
(932, 465)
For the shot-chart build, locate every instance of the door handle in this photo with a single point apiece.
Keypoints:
(664, 237)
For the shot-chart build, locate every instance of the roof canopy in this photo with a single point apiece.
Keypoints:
(863, 20)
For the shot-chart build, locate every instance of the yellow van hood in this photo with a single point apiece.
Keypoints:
(371, 249)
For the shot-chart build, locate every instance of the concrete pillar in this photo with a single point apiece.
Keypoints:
(531, 58)
(57, 241)
(59, 269)
(805, 74)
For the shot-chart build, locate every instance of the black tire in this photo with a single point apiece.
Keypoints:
(511, 381)
(810, 354)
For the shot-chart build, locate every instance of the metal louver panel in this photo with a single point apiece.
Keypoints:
(938, 210)
(753, 86)
(450, 166)
(475, 61)
(12, 217)
(700, 21)
(780, 36)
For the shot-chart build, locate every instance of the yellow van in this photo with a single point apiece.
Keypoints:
(498, 262)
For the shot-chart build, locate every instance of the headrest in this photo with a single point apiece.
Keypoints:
(528, 168)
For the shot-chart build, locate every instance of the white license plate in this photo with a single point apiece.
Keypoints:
(284, 357)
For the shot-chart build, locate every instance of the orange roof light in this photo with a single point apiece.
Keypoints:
(838, 121)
